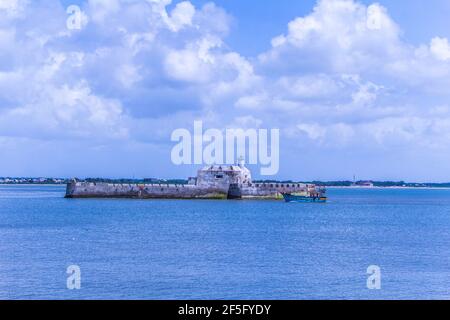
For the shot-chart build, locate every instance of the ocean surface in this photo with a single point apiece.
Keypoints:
(133, 249)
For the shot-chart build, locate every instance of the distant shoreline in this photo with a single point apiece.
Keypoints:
(328, 187)
(34, 184)
(386, 187)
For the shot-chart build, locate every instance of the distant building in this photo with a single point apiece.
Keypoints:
(363, 184)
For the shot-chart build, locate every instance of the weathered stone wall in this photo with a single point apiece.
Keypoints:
(163, 191)
(273, 190)
(166, 191)
(216, 179)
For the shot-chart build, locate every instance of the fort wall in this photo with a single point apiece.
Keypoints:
(159, 191)
(213, 182)
(169, 191)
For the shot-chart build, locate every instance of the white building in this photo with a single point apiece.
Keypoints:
(221, 176)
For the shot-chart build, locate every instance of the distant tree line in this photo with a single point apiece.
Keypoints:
(135, 181)
(10, 180)
(345, 183)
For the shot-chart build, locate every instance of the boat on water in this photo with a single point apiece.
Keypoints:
(316, 197)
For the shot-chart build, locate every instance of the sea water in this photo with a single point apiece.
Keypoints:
(167, 249)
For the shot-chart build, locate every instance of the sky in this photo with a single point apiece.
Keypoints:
(355, 87)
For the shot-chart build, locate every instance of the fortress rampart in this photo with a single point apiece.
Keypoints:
(169, 191)
(152, 191)
(214, 182)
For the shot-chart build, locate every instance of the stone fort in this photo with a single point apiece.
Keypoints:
(212, 182)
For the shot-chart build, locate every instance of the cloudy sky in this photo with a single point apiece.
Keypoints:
(356, 88)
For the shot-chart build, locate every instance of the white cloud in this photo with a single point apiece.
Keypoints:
(101, 9)
(343, 74)
(339, 77)
(110, 68)
(128, 75)
(12, 8)
(342, 35)
(252, 102)
(194, 63)
(246, 122)
(181, 16)
(310, 86)
(186, 65)
(66, 112)
(314, 131)
(440, 48)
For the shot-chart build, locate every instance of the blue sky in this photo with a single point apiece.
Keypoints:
(356, 87)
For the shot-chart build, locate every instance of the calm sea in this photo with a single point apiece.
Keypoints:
(132, 249)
